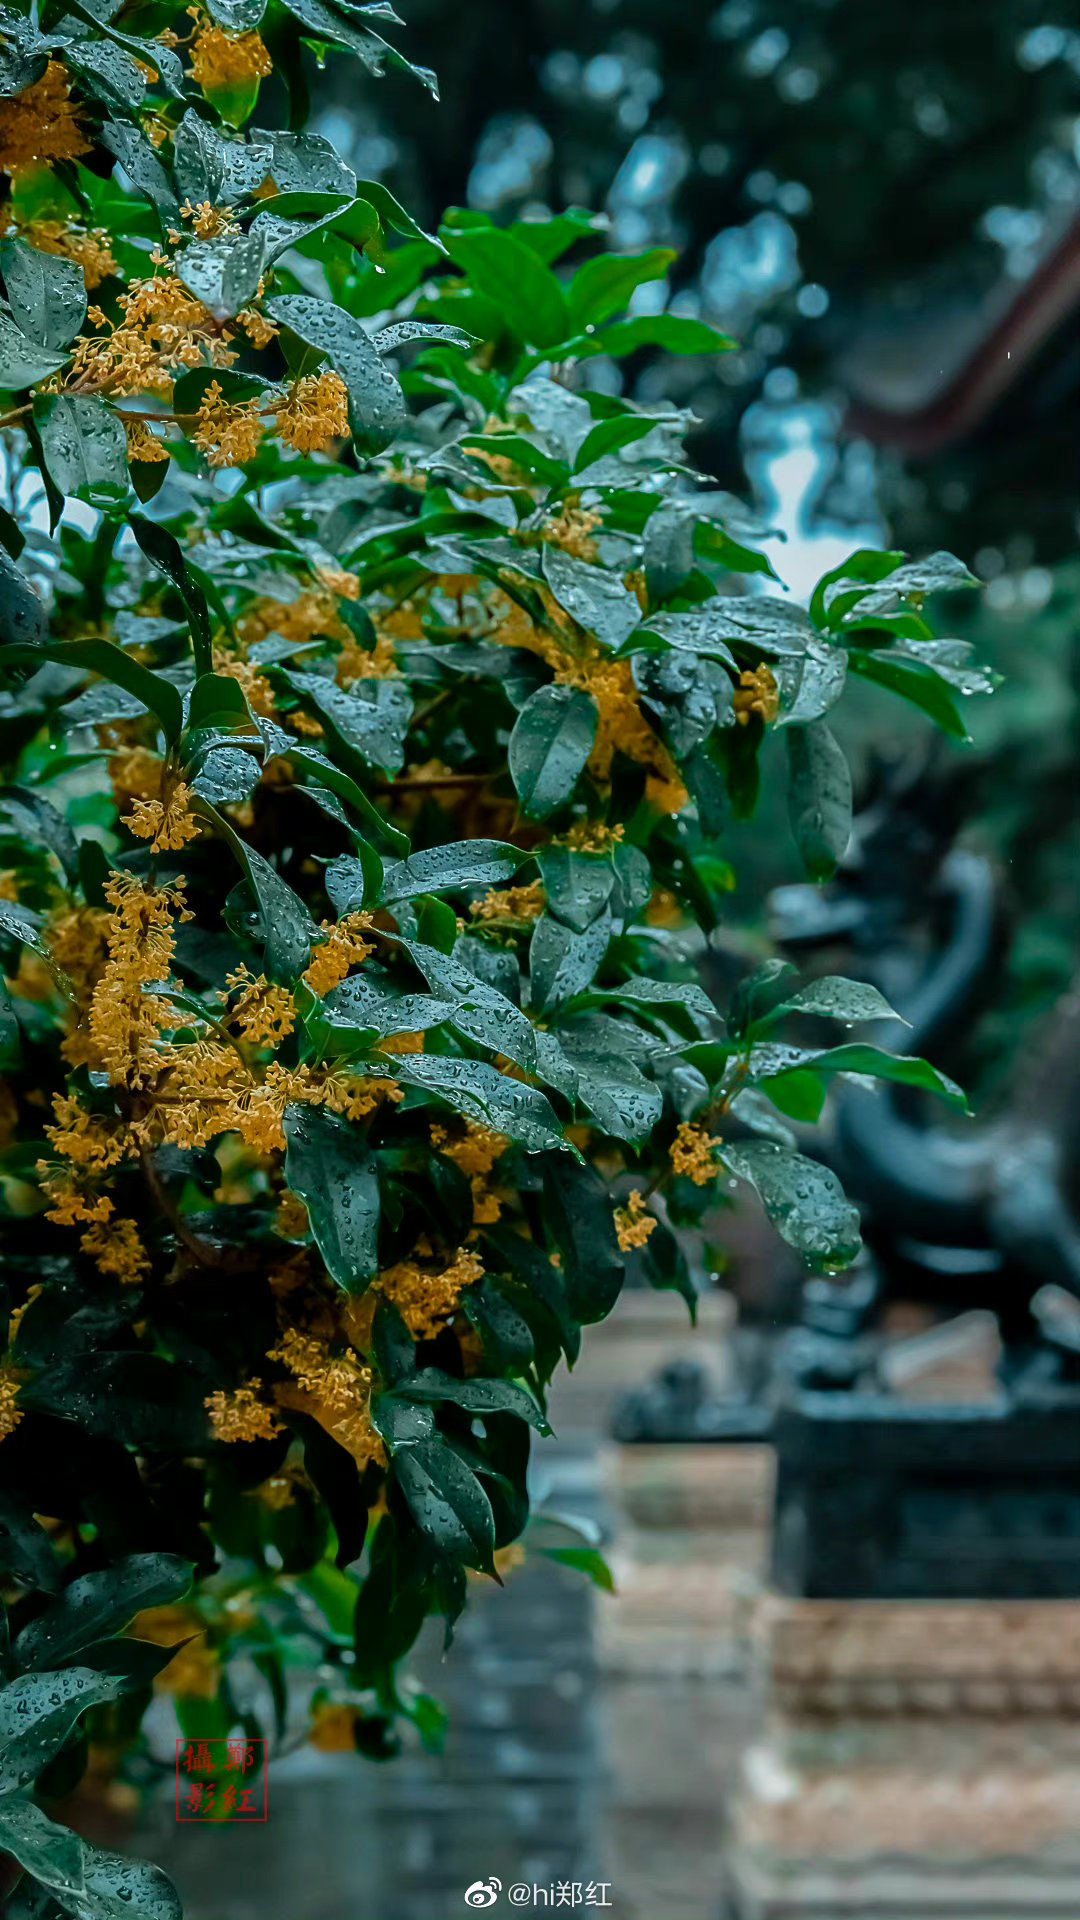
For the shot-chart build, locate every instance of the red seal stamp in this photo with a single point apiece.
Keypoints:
(222, 1780)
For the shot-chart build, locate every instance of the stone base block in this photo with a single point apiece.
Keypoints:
(690, 1546)
(917, 1761)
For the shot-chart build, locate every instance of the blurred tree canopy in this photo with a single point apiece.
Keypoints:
(851, 194)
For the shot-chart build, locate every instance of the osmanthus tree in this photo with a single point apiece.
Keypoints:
(365, 803)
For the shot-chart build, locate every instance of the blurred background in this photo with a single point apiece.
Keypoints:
(883, 206)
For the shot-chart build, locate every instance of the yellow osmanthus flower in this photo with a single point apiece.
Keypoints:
(143, 444)
(511, 903)
(115, 1247)
(163, 328)
(84, 1138)
(291, 1217)
(475, 1152)
(220, 60)
(89, 247)
(255, 687)
(633, 1222)
(578, 661)
(136, 774)
(757, 693)
(358, 663)
(401, 1043)
(241, 1415)
(195, 1672)
(9, 884)
(693, 1153)
(169, 824)
(335, 1388)
(343, 949)
(312, 615)
(665, 909)
(15, 1317)
(40, 124)
(315, 412)
(123, 1023)
(228, 432)
(333, 1727)
(264, 1013)
(355, 1096)
(340, 580)
(259, 329)
(424, 1299)
(10, 1411)
(281, 1489)
(71, 1205)
(572, 529)
(209, 222)
(591, 836)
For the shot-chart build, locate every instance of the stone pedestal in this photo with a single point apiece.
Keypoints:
(917, 1761)
(690, 1549)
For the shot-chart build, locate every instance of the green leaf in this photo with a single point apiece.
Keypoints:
(225, 273)
(562, 963)
(479, 1396)
(393, 214)
(85, 447)
(376, 402)
(553, 737)
(609, 436)
(214, 166)
(477, 1090)
(609, 1083)
(163, 551)
(603, 286)
(38, 1711)
(905, 1069)
(117, 1888)
(329, 1164)
(675, 333)
(217, 705)
(867, 565)
(596, 599)
(920, 686)
(526, 292)
(346, 788)
(819, 798)
(47, 294)
(159, 696)
(469, 863)
(804, 1201)
(285, 925)
(353, 879)
(587, 1560)
(99, 1604)
(140, 162)
(447, 1502)
(26, 1552)
(22, 613)
(834, 998)
(480, 1011)
(761, 622)
(405, 333)
(581, 1218)
(372, 717)
(53, 1854)
(578, 885)
(684, 994)
(22, 360)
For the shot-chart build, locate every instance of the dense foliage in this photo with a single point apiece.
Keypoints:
(847, 211)
(364, 822)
